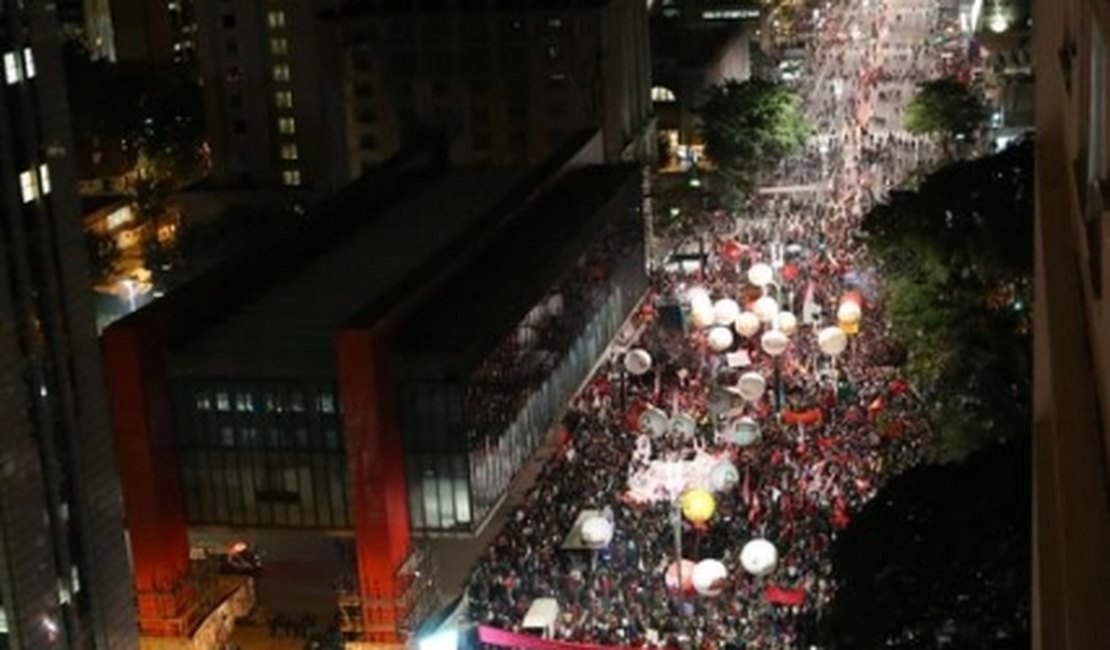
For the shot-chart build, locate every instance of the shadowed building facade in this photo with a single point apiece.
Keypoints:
(1071, 590)
(64, 581)
(322, 386)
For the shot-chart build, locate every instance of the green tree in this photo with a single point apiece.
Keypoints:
(946, 107)
(749, 126)
(957, 258)
(939, 559)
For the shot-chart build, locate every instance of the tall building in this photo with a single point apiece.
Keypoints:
(271, 94)
(65, 581)
(1071, 573)
(89, 21)
(507, 80)
(385, 373)
(311, 93)
(152, 31)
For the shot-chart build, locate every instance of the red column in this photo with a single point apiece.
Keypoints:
(375, 458)
(142, 423)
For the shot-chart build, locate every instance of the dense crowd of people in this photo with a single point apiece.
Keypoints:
(801, 481)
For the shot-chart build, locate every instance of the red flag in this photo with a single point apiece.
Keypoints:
(777, 595)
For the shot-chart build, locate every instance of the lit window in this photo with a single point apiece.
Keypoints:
(326, 403)
(287, 125)
(44, 178)
(11, 68)
(283, 99)
(222, 402)
(279, 46)
(275, 19)
(281, 72)
(28, 63)
(554, 23)
(289, 151)
(27, 186)
(202, 402)
(292, 177)
(662, 94)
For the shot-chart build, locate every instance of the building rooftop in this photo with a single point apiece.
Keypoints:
(290, 327)
(461, 323)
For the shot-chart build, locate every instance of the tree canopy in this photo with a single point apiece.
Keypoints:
(939, 559)
(945, 107)
(957, 258)
(751, 125)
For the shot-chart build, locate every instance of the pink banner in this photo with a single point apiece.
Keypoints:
(505, 639)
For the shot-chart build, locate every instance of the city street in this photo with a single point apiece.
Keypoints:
(833, 417)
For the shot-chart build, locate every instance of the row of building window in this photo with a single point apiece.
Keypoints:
(19, 67)
(295, 402)
(283, 98)
(32, 185)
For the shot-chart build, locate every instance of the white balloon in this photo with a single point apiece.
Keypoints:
(720, 339)
(702, 315)
(725, 311)
(766, 309)
(723, 476)
(759, 557)
(751, 386)
(683, 424)
(637, 362)
(709, 576)
(654, 421)
(761, 275)
(747, 324)
(597, 532)
(849, 312)
(832, 341)
(698, 295)
(774, 342)
(786, 322)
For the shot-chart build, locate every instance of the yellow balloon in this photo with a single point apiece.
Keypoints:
(698, 505)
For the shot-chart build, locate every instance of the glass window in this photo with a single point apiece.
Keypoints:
(287, 125)
(223, 401)
(244, 402)
(27, 186)
(275, 19)
(28, 63)
(281, 72)
(289, 151)
(201, 400)
(227, 436)
(326, 402)
(279, 46)
(12, 72)
(44, 178)
(292, 178)
(284, 98)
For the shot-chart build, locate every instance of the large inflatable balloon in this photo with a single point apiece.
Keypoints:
(759, 557)
(832, 341)
(751, 386)
(761, 275)
(723, 476)
(698, 505)
(747, 324)
(766, 309)
(654, 422)
(786, 322)
(720, 339)
(849, 312)
(774, 342)
(684, 425)
(637, 362)
(671, 576)
(710, 577)
(725, 311)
